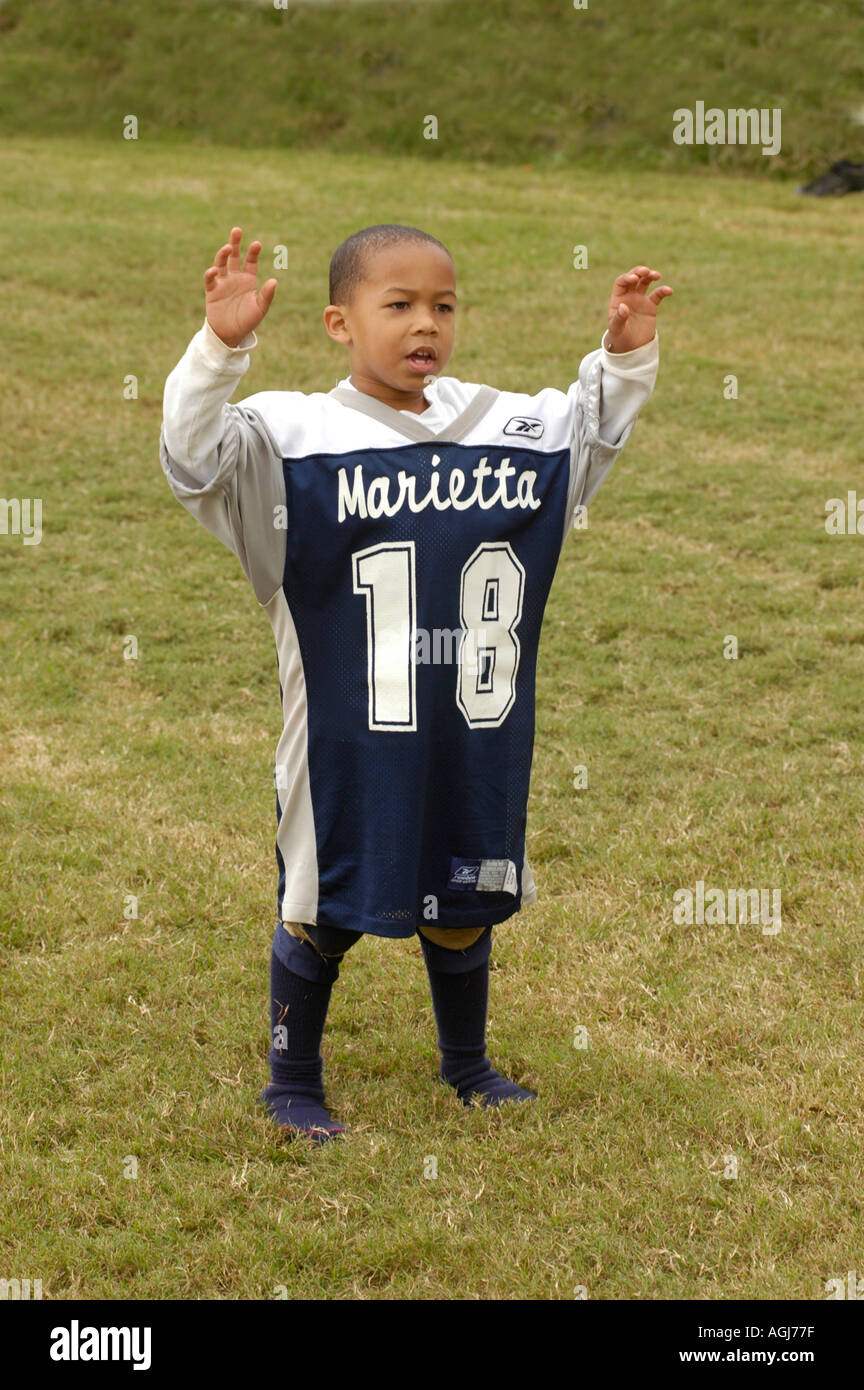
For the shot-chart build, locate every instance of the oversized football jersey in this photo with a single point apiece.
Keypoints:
(405, 573)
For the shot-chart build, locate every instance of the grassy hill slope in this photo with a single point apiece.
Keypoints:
(535, 81)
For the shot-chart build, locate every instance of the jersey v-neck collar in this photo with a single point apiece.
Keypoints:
(411, 425)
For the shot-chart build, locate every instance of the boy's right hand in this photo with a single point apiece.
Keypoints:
(234, 304)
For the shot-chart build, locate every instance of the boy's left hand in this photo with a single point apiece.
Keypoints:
(632, 311)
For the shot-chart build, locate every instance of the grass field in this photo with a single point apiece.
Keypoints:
(147, 1038)
(515, 81)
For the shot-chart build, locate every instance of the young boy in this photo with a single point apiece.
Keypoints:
(401, 533)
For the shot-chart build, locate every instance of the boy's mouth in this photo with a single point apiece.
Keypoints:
(421, 359)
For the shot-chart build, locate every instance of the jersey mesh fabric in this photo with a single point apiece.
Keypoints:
(393, 808)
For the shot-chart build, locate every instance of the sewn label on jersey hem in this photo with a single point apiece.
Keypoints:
(483, 876)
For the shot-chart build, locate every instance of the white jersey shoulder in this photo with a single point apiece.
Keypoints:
(303, 424)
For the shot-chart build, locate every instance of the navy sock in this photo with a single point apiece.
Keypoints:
(460, 1001)
(295, 1096)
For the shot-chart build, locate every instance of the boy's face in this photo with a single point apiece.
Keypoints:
(405, 302)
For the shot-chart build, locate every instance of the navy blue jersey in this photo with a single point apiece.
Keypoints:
(418, 623)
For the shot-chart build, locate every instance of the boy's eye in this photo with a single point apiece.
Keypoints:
(404, 304)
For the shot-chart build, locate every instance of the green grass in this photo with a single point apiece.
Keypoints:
(148, 1037)
(512, 82)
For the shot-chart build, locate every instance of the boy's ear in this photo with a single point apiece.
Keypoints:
(334, 322)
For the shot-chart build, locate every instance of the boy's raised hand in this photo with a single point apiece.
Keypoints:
(234, 304)
(632, 310)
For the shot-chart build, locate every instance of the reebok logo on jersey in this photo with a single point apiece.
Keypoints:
(464, 873)
(528, 426)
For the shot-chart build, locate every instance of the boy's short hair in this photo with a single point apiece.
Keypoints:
(348, 262)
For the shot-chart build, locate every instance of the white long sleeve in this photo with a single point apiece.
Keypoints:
(195, 393)
(628, 379)
(607, 397)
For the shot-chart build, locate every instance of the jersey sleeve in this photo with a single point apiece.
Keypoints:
(607, 397)
(222, 462)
